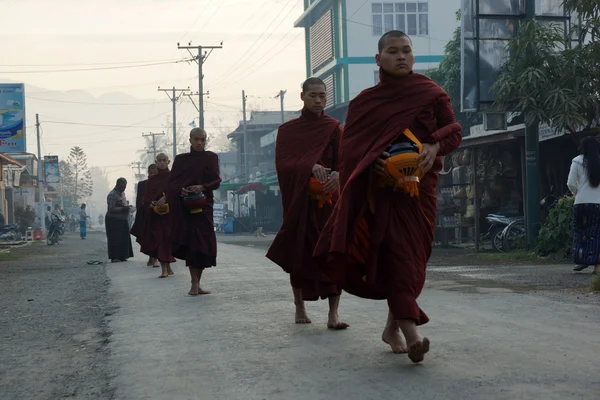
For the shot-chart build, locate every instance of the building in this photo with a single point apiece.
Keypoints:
(228, 165)
(260, 158)
(341, 40)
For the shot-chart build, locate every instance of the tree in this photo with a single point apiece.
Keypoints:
(101, 185)
(550, 80)
(448, 76)
(76, 177)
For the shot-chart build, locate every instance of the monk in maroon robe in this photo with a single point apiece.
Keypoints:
(193, 236)
(156, 241)
(307, 147)
(138, 225)
(378, 241)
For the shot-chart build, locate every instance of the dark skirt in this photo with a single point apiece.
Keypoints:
(586, 234)
(118, 238)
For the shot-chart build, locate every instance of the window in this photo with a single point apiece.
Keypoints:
(411, 18)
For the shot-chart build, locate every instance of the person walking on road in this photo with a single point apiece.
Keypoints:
(584, 183)
(156, 235)
(140, 214)
(83, 222)
(306, 156)
(379, 238)
(193, 178)
(117, 227)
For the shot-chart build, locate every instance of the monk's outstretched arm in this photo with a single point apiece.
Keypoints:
(449, 133)
(215, 183)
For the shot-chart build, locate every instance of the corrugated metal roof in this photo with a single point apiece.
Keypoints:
(9, 160)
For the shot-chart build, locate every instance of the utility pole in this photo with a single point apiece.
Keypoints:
(200, 59)
(153, 135)
(138, 166)
(189, 95)
(532, 169)
(40, 175)
(281, 96)
(246, 163)
(174, 98)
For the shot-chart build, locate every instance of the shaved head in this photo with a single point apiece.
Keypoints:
(310, 82)
(198, 139)
(391, 34)
(197, 132)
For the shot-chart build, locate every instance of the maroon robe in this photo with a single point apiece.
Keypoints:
(302, 143)
(193, 236)
(138, 225)
(156, 241)
(382, 254)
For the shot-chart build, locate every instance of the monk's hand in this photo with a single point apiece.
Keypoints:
(333, 183)
(320, 173)
(379, 164)
(161, 202)
(427, 157)
(196, 189)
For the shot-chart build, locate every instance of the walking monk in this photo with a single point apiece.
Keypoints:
(190, 195)
(138, 225)
(156, 241)
(307, 147)
(378, 241)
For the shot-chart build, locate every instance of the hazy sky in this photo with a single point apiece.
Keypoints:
(262, 53)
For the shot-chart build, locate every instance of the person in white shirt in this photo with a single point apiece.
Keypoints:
(584, 183)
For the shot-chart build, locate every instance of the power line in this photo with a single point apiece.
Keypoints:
(235, 65)
(88, 64)
(112, 87)
(100, 125)
(95, 103)
(95, 69)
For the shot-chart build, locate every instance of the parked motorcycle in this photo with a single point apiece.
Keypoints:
(9, 233)
(497, 225)
(514, 234)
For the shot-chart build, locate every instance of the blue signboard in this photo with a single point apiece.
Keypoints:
(12, 118)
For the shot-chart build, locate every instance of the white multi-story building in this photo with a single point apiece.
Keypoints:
(342, 35)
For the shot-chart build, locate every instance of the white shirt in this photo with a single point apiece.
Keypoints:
(579, 184)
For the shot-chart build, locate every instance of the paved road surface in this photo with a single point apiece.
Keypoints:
(240, 342)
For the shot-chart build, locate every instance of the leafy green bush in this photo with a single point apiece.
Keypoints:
(556, 235)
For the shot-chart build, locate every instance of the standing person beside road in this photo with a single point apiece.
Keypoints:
(117, 226)
(378, 241)
(584, 183)
(307, 149)
(83, 222)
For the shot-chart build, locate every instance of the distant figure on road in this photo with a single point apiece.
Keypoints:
(117, 227)
(190, 196)
(140, 214)
(101, 219)
(156, 235)
(306, 160)
(584, 183)
(377, 243)
(83, 222)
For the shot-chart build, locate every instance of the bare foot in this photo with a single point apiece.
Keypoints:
(335, 323)
(169, 270)
(301, 317)
(391, 336)
(417, 351)
(201, 291)
(163, 275)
